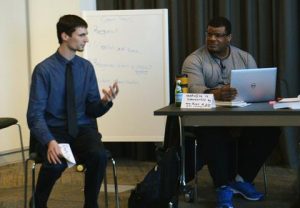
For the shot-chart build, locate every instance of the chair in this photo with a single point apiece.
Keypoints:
(36, 158)
(7, 122)
(192, 193)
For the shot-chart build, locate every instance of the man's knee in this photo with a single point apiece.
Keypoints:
(55, 170)
(98, 156)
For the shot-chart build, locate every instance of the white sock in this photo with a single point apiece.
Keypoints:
(239, 178)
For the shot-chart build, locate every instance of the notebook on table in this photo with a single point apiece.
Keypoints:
(254, 85)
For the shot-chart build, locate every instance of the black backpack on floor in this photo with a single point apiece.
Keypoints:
(159, 189)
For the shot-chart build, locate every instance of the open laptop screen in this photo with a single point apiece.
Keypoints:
(254, 85)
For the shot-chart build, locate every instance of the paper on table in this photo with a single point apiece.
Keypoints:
(294, 99)
(292, 103)
(67, 154)
(232, 103)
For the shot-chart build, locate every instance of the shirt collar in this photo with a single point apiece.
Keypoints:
(63, 60)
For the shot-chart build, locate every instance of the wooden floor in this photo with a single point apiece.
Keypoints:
(68, 190)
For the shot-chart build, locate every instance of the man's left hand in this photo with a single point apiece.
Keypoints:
(110, 93)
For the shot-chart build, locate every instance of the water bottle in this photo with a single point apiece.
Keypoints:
(180, 88)
(178, 93)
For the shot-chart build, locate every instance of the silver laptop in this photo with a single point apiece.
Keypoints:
(254, 85)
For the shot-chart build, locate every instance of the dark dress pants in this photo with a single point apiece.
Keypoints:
(88, 150)
(230, 151)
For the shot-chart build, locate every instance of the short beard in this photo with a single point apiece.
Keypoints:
(75, 49)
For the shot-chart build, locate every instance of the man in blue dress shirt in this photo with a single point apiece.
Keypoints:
(47, 113)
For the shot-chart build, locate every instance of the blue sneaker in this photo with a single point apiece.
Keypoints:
(224, 197)
(247, 190)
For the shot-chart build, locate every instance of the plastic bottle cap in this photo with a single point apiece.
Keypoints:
(79, 168)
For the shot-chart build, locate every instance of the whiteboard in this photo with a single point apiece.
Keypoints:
(131, 46)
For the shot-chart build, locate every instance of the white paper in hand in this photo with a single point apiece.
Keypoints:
(67, 154)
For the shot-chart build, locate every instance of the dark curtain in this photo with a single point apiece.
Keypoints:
(268, 29)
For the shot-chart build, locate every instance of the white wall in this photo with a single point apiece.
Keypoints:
(15, 59)
(13, 70)
(43, 16)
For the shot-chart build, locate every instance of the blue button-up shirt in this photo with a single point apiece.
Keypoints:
(47, 106)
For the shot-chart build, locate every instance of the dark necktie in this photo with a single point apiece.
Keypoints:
(70, 102)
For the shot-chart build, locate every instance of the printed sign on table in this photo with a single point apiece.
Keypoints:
(193, 100)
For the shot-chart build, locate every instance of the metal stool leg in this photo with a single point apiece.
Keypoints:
(21, 142)
(25, 183)
(33, 186)
(105, 190)
(195, 172)
(116, 183)
(265, 178)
